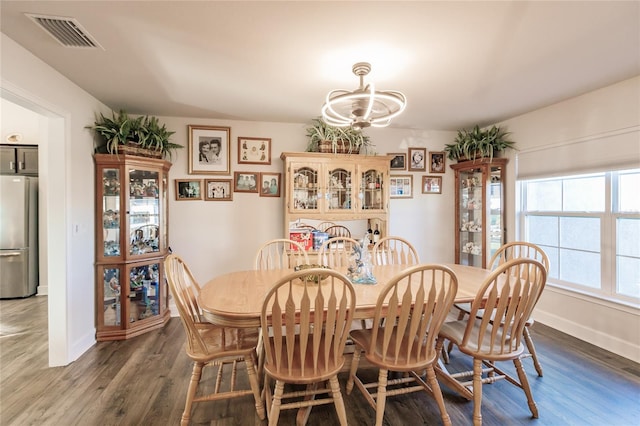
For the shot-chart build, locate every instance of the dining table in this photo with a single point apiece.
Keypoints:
(235, 299)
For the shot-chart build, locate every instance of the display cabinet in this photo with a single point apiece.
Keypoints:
(479, 211)
(131, 245)
(336, 187)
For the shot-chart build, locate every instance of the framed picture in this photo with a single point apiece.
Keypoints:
(209, 150)
(401, 186)
(269, 184)
(417, 159)
(432, 184)
(188, 189)
(218, 190)
(399, 161)
(254, 150)
(436, 162)
(246, 181)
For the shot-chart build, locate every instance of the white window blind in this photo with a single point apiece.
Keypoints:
(612, 151)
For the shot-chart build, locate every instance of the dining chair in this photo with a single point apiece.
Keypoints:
(336, 252)
(280, 253)
(514, 250)
(394, 251)
(306, 316)
(507, 296)
(408, 315)
(338, 231)
(322, 226)
(208, 344)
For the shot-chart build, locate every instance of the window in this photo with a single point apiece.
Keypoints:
(589, 226)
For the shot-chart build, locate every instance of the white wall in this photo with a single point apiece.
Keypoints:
(593, 116)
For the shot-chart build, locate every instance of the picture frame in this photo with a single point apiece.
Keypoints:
(246, 181)
(417, 159)
(218, 190)
(273, 184)
(401, 186)
(188, 189)
(203, 158)
(431, 184)
(437, 161)
(254, 150)
(399, 161)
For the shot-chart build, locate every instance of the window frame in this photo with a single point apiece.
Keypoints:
(608, 219)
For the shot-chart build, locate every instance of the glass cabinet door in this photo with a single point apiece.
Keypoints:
(144, 294)
(112, 315)
(496, 234)
(144, 211)
(470, 220)
(372, 190)
(111, 213)
(305, 186)
(339, 195)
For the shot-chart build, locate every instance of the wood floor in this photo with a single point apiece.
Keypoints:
(143, 381)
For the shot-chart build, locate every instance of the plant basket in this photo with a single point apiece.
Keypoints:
(341, 147)
(132, 148)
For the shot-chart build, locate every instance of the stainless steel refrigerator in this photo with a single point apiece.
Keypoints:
(18, 236)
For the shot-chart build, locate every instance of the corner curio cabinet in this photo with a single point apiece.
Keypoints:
(479, 220)
(336, 187)
(131, 245)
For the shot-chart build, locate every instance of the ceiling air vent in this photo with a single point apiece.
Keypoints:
(67, 31)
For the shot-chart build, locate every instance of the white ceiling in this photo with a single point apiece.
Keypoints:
(459, 63)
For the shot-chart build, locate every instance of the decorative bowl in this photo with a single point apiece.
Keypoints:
(316, 278)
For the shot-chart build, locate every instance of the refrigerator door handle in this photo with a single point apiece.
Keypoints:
(11, 253)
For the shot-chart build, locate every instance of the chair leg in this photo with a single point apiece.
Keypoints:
(524, 383)
(354, 368)
(532, 350)
(437, 395)
(337, 400)
(254, 381)
(196, 374)
(274, 412)
(477, 392)
(381, 398)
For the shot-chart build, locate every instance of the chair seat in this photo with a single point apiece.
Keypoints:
(296, 372)
(401, 362)
(454, 331)
(235, 342)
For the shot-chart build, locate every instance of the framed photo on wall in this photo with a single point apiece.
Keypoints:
(246, 181)
(436, 162)
(417, 159)
(254, 150)
(209, 150)
(432, 184)
(218, 190)
(188, 189)
(401, 186)
(269, 184)
(399, 161)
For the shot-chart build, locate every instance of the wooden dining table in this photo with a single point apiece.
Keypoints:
(235, 299)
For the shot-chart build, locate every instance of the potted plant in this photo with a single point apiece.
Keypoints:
(478, 143)
(326, 138)
(137, 136)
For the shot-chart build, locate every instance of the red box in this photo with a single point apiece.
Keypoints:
(304, 237)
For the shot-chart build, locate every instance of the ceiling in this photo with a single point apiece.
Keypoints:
(458, 63)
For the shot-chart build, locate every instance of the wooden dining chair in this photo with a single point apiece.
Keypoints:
(322, 226)
(338, 231)
(514, 250)
(281, 253)
(409, 313)
(394, 251)
(208, 344)
(306, 316)
(336, 252)
(507, 296)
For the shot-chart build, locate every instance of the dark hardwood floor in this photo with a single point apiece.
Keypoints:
(143, 382)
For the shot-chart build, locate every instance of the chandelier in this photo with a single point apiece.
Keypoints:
(364, 106)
